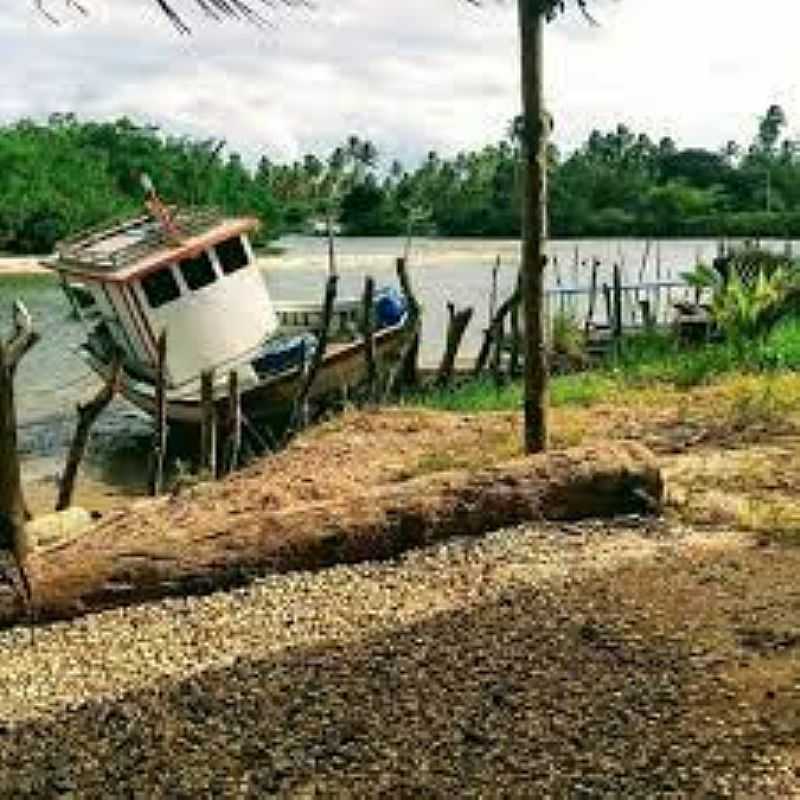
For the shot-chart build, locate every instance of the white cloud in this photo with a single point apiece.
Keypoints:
(413, 75)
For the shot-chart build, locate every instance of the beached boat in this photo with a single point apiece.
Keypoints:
(193, 274)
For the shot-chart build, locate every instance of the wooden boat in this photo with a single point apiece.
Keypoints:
(193, 274)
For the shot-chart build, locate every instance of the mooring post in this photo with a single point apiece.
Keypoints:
(409, 369)
(160, 433)
(368, 331)
(592, 295)
(493, 293)
(208, 429)
(234, 422)
(617, 287)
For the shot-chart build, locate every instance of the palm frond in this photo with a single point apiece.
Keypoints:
(252, 11)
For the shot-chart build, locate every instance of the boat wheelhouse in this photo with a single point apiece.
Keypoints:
(193, 275)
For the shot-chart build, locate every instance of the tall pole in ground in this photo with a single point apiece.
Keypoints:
(534, 222)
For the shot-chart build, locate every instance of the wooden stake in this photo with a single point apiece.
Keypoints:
(455, 333)
(617, 316)
(492, 332)
(297, 422)
(234, 422)
(409, 371)
(493, 294)
(160, 433)
(208, 430)
(513, 361)
(87, 415)
(368, 331)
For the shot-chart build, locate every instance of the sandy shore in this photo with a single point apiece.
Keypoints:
(29, 265)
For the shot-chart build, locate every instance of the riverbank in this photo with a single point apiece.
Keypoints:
(638, 658)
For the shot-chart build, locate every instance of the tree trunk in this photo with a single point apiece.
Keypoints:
(534, 229)
(156, 552)
(13, 511)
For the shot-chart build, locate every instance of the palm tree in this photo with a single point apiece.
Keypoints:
(534, 130)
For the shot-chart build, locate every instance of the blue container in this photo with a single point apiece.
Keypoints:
(390, 308)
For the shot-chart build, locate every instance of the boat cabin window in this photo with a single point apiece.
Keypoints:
(232, 255)
(198, 271)
(160, 287)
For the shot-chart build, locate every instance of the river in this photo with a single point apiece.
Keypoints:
(52, 378)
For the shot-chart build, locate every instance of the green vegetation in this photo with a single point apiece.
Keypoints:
(644, 361)
(64, 174)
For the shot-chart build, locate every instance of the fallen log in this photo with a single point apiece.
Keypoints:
(153, 556)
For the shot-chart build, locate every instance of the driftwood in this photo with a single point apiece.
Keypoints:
(457, 326)
(297, 423)
(115, 564)
(87, 415)
(13, 511)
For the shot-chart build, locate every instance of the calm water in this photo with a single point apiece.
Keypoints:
(52, 378)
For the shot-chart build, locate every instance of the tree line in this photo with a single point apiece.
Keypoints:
(64, 174)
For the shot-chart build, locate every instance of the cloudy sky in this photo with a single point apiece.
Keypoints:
(413, 75)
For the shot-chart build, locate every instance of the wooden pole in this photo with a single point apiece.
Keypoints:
(491, 333)
(617, 288)
(87, 415)
(534, 227)
(368, 331)
(409, 371)
(234, 422)
(592, 295)
(513, 361)
(296, 423)
(456, 328)
(160, 433)
(13, 511)
(493, 293)
(208, 430)
(497, 353)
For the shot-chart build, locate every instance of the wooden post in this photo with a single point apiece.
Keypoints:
(492, 332)
(493, 293)
(160, 432)
(13, 511)
(208, 430)
(513, 361)
(607, 298)
(647, 314)
(535, 131)
(592, 295)
(455, 333)
(234, 422)
(409, 373)
(617, 289)
(497, 353)
(368, 331)
(87, 414)
(297, 420)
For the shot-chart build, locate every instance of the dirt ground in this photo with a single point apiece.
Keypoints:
(643, 658)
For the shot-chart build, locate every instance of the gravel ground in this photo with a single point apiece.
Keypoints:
(534, 662)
